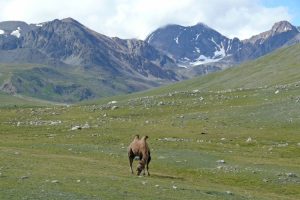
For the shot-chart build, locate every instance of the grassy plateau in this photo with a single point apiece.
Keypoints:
(234, 134)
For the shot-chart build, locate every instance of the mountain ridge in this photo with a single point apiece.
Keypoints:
(68, 46)
(98, 65)
(208, 46)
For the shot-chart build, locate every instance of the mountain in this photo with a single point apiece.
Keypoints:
(93, 64)
(191, 45)
(65, 61)
(200, 44)
(281, 34)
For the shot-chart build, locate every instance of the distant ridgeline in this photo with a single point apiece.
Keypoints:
(62, 60)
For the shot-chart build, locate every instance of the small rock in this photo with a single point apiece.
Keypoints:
(24, 177)
(219, 167)
(55, 122)
(161, 103)
(76, 128)
(144, 182)
(265, 180)
(283, 145)
(86, 125)
(114, 107)
(78, 181)
(291, 175)
(223, 139)
(270, 149)
(174, 187)
(156, 185)
(277, 91)
(220, 161)
(249, 140)
(112, 102)
(229, 193)
(55, 181)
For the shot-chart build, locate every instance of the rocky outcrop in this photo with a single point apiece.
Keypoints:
(9, 88)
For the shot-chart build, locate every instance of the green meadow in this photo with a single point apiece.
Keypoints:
(229, 135)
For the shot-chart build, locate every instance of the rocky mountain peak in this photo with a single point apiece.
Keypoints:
(66, 22)
(71, 21)
(190, 45)
(283, 26)
(201, 25)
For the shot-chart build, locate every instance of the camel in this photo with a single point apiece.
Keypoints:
(139, 148)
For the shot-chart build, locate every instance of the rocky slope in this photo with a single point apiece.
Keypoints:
(70, 48)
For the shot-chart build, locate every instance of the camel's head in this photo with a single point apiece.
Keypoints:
(140, 168)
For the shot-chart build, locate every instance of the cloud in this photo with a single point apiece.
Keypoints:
(138, 18)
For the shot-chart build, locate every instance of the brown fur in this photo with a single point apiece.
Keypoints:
(139, 148)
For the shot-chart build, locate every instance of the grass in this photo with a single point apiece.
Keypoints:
(92, 163)
(255, 130)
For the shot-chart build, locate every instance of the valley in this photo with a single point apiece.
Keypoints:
(233, 134)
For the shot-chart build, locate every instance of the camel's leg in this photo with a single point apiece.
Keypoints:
(130, 157)
(130, 164)
(149, 159)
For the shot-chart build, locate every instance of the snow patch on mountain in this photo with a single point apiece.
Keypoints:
(1, 32)
(229, 45)
(220, 50)
(150, 38)
(16, 33)
(204, 60)
(176, 40)
(220, 53)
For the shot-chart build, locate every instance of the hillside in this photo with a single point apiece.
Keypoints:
(21, 101)
(279, 68)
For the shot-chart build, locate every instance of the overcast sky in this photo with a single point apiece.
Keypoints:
(138, 18)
